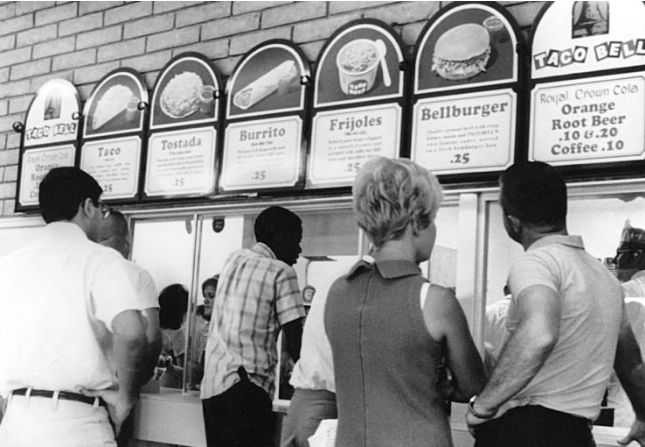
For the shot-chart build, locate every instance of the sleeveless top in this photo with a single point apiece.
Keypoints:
(385, 361)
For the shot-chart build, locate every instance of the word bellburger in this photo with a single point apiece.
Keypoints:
(454, 111)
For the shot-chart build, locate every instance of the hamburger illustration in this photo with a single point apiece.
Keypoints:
(461, 52)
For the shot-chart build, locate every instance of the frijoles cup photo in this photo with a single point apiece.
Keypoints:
(461, 52)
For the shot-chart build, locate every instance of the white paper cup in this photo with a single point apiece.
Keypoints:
(132, 108)
(357, 63)
(206, 98)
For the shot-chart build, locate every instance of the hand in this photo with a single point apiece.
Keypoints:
(472, 421)
(118, 407)
(637, 433)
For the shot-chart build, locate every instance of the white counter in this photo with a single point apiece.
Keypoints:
(171, 417)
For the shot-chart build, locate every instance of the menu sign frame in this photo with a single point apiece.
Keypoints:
(49, 138)
(185, 130)
(359, 102)
(467, 101)
(114, 134)
(587, 103)
(267, 116)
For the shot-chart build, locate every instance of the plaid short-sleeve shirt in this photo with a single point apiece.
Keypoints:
(256, 295)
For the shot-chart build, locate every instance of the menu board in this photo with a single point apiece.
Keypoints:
(466, 91)
(465, 133)
(49, 138)
(267, 107)
(184, 125)
(262, 154)
(358, 102)
(578, 122)
(346, 139)
(587, 101)
(114, 163)
(34, 165)
(113, 132)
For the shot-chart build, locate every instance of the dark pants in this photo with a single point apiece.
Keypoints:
(535, 426)
(242, 416)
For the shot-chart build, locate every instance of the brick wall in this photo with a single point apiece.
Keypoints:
(83, 41)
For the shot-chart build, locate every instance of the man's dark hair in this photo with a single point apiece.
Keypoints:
(63, 190)
(535, 193)
(273, 221)
(212, 281)
(173, 305)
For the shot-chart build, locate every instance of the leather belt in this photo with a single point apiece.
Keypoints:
(64, 395)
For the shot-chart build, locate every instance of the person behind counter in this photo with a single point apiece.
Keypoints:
(64, 300)
(392, 333)
(257, 296)
(565, 318)
(630, 261)
(202, 323)
(173, 305)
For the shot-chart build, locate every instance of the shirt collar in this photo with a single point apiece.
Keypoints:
(387, 269)
(65, 229)
(263, 249)
(568, 240)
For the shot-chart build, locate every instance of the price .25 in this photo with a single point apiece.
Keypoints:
(461, 158)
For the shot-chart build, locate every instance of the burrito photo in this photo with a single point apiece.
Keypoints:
(256, 91)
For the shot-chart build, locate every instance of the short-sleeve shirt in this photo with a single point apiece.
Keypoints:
(575, 375)
(635, 287)
(58, 293)
(256, 295)
(315, 368)
(144, 284)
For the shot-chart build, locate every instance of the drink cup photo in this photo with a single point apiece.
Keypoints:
(495, 29)
(132, 108)
(206, 98)
(358, 63)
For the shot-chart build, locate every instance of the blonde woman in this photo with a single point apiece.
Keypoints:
(392, 342)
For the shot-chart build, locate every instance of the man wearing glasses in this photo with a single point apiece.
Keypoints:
(69, 312)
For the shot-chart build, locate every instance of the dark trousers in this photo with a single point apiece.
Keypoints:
(242, 416)
(535, 426)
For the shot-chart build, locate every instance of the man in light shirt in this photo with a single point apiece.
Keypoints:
(568, 329)
(114, 233)
(71, 326)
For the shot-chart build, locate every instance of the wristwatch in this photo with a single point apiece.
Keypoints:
(471, 409)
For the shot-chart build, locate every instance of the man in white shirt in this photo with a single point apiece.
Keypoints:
(114, 233)
(71, 327)
(567, 326)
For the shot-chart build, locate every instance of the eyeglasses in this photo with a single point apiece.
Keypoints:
(105, 209)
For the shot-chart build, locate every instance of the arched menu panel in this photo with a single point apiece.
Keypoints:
(49, 138)
(181, 159)
(266, 117)
(114, 133)
(588, 86)
(466, 87)
(358, 102)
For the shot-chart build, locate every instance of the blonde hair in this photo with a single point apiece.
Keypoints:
(389, 194)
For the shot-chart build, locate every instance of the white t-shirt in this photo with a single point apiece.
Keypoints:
(575, 375)
(144, 284)
(59, 296)
(315, 368)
